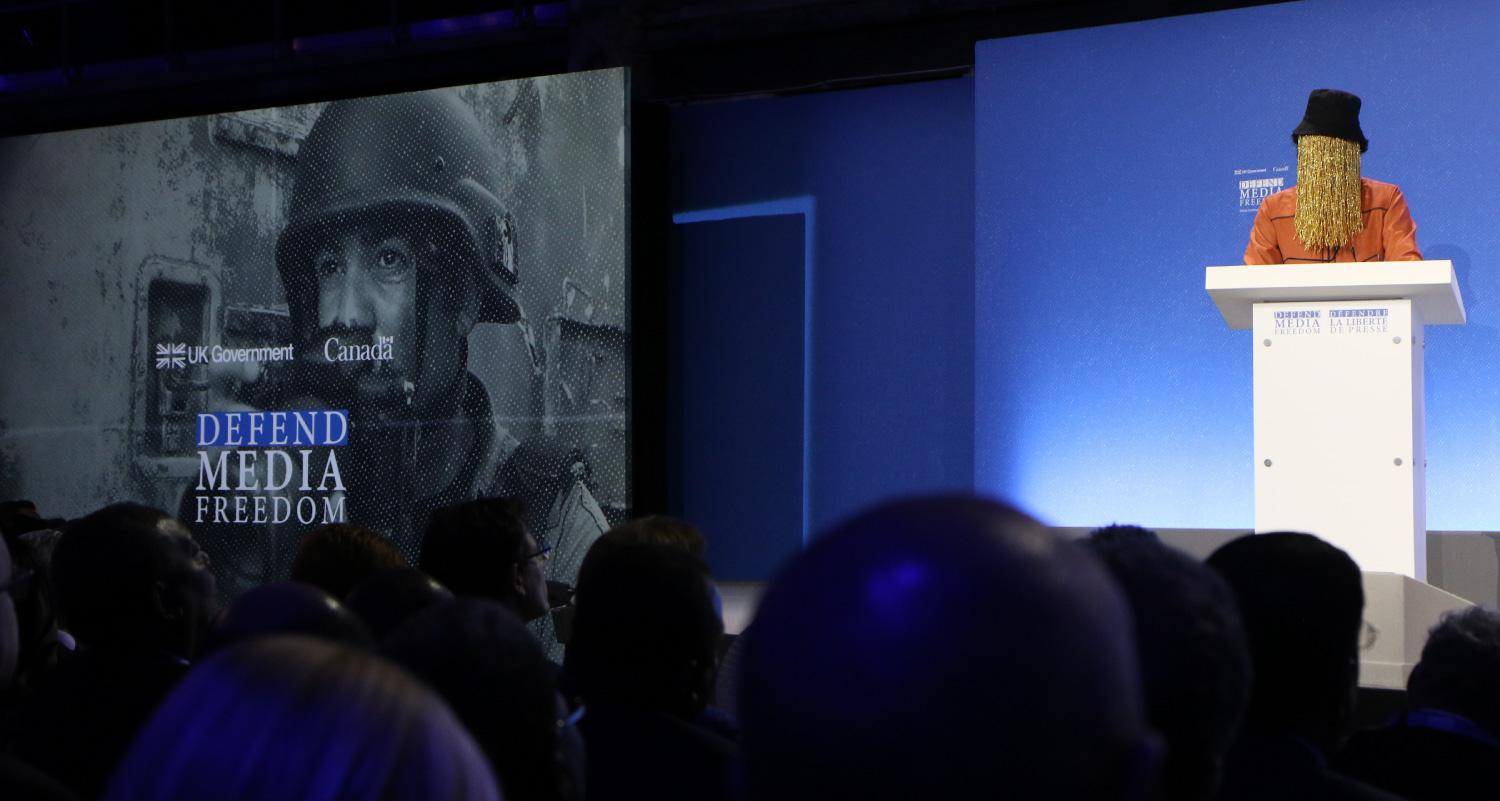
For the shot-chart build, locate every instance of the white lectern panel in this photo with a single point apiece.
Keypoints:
(1339, 449)
(1431, 285)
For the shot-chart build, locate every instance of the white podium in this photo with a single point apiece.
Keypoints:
(1339, 448)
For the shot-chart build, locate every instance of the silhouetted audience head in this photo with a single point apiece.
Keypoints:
(1460, 668)
(646, 632)
(1446, 745)
(946, 647)
(21, 517)
(289, 607)
(387, 599)
(18, 780)
(1301, 601)
(479, 656)
(14, 516)
(33, 594)
(655, 530)
(338, 556)
(10, 635)
(130, 576)
(1116, 532)
(291, 718)
(1195, 662)
(651, 530)
(482, 548)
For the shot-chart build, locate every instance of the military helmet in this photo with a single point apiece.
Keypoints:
(417, 155)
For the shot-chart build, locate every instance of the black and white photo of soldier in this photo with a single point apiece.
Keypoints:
(448, 267)
(396, 245)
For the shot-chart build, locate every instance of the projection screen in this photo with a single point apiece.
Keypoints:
(357, 311)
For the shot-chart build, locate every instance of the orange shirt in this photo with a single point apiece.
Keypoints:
(1389, 235)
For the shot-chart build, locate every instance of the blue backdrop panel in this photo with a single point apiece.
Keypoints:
(736, 391)
(1109, 168)
(885, 177)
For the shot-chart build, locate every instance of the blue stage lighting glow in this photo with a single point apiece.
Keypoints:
(460, 26)
(1107, 387)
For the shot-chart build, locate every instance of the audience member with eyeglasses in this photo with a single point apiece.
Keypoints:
(1302, 603)
(937, 647)
(483, 549)
(642, 661)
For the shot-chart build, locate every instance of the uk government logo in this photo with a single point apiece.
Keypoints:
(171, 356)
(1255, 184)
(1298, 323)
(1359, 321)
(177, 355)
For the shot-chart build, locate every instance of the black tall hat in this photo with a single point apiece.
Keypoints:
(1331, 112)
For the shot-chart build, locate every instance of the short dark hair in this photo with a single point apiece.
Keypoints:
(337, 557)
(1459, 666)
(385, 600)
(470, 547)
(289, 607)
(480, 657)
(658, 530)
(646, 631)
(1302, 601)
(1195, 662)
(1115, 532)
(104, 569)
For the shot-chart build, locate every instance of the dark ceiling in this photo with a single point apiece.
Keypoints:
(66, 63)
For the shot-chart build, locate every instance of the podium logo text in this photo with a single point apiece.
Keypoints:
(1359, 321)
(1295, 323)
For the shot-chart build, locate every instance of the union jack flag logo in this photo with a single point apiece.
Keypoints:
(171, 356)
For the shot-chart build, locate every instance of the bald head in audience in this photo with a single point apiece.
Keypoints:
(289, 718)
(946, 647)
(289, 607)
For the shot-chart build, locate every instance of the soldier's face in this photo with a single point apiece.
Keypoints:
(367, 287)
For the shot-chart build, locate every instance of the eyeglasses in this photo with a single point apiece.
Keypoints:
(542, 553)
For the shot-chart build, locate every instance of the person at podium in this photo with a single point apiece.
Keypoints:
(1333, 214)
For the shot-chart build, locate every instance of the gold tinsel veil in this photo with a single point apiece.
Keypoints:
(1328, 192)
